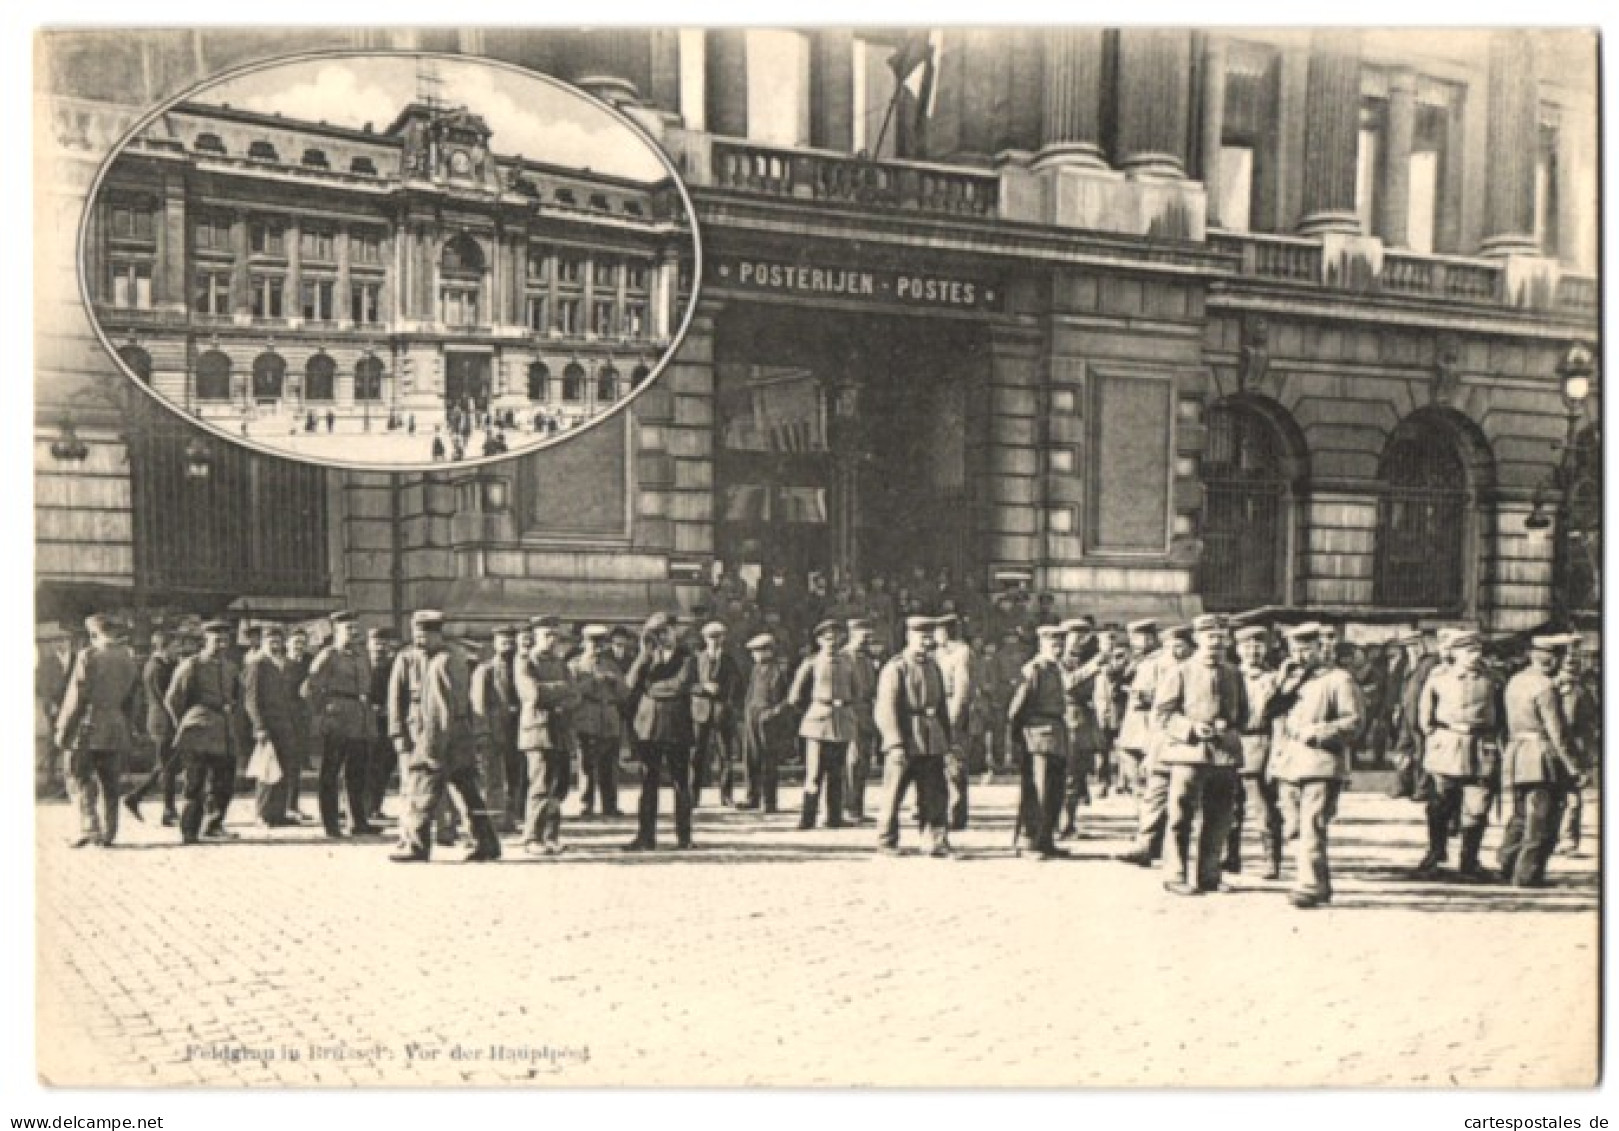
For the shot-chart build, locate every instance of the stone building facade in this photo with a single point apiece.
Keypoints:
(1155, 320)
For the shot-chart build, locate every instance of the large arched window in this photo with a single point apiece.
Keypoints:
(138, 361)
(539, 382)
(462, 258)
(213, 377)
(606, 385)
(368, 379)
(1247, 508)
(269, 376)
(461, 269)
(573, 382)
(1422, 518)
(320, 378)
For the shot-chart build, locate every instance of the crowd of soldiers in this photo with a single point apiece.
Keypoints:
(1205, 724)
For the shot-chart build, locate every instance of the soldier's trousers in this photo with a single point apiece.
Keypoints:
(1531, 833)
(957, 775)
(759, 759)
(548, 779)
(1466, 799)
(307, 753)
(1153, 805)
(516, 765)
(270, 801)
(165, 773)
(1307, 811)
(658, 758)
(824, 770)
(900, 771)
(343, 760)
(1040, 780)
(713, 758)
(380, 761)
(1129, 769)
(429, 782)
(598, 760)
(210, 779)
(1081, 761)
(857, 773)
(1205, 796)
(1256, 800)
(93, 779)
(446, 818)
(1574, 804)
(492, 775)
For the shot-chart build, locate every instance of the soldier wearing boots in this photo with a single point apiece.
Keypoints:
(1135, 684)
(714, 702)
(430, 720)
(1080, 661)
(338, 692)
(1153, 800)
(660, 682)
(1258, 798)
(766, 711)
(1582, 717)
(955, 662)
(599, 720)
(155, 677)
(270, 701)
(549, 695)
(824, 692)
(913, 725)
(496, 711)
(1038, 733)
(1416, 664)
(95, 728)
(200, 700)
(1459, 713)
(1538, 765)
(380, 761)
(865, 694)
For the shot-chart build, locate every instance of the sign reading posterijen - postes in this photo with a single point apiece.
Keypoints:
(814, 280)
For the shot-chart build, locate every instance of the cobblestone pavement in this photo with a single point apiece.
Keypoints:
(770, 955)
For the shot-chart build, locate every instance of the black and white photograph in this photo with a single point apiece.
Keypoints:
(1061, 557)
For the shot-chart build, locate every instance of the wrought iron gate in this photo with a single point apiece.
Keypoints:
(1245, 512)
(1421, 524)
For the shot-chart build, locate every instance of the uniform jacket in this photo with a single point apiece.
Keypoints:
(377, 694)
(955, 665)
(1200, 689)
(1035, 715)
(495, 705)
(718, 707)
(1537, 749)
(1110, 697)
(200, 698)
(824, 690)
(1580, 718)
(1412, 682)
(298, 673)
(1136, 730)
(1318, 721)
(865, 691)
(602, 695)
(910, 709)
(155, 677)
(1259, 687)
(270, 699)
(1079, 692)
(337, 690)
(98, 708)
(430, 706)
(546, 689)
(661, 685)
(765, 704)
(1459, 715)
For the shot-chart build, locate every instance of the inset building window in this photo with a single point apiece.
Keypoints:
(536, 313)
(213, 377)
(320, 378)
(132, 286)
(570, 270)
(459, 305)
(607, 384)
(539, 382)
(635, 323)
(567, 316)
(363, 166)
(368, 379)
(138, 361)
(266, 293)
(315, 159)
(365, 304)
(211, 232)
(132, 222)
(209, 143)
(605, 272)
(212, 294)
(269, 376)
(636, 275)
(266, 237)
(316, 244)
(536, 265)
(365, 246)
(317, 300)
(573, 383)
(604, 318)
(262, 151)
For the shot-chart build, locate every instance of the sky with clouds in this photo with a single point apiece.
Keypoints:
(528, 115)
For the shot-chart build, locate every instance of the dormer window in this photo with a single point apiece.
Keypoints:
(364, 166)
(633, 208)
(598, 201)
(210, 143)
(262, 151)
(315, 159)
(565, 196)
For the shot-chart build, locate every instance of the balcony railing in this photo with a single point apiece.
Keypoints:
(839, 178)
(1272, 257)
(1577, 293)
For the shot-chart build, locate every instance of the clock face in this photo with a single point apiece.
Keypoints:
(460, 162)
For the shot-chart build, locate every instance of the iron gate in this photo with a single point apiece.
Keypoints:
(1421, 524)
(1245, 512)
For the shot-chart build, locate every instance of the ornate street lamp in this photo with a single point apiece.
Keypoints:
(1577, 374)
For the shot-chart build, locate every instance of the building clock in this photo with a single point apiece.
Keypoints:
(460, 163)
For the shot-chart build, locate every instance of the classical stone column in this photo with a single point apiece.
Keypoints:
(1394, 205)
(343, 301)
(241, 299)
(1154, 100)
(832, 89)
(169, 282)
(972, 77)
(1514, 146)
(1331, 133)
(1071, 109)
(292, 297)
(726, 82)
(1211, 120)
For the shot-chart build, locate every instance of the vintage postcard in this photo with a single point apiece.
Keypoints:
(818, 557)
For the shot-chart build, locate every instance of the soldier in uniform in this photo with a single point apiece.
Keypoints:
(1258, 795)
(380, 759)
(1460, 718)
(1135, 723)
(1038, 734)
(270, 699)
(95, 728)
(1110, 700)
(1537, 765)
(1416, 664)
(298, 662)
(765, 711)
(495, 716)
(660, 682)
(155, 677)
(1581, 717)
(865, 740)
(1200, 706)
(1320, 714)
(599, 719)
(430, 721)
(201, 700)
(714, 702)
(338, 692)
(1151, 812)
(823, 691)
(548, 694)
(954, 660)
(913, 725)
(1081, 661)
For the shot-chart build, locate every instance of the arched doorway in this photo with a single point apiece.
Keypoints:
(368, 379)
(1253, 472)
(1432, 474)
(320, 378)
(539, 382)
(606, 385)
(269, 377)
(213, 377)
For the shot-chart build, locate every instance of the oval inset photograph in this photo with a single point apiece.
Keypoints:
(390, 261)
